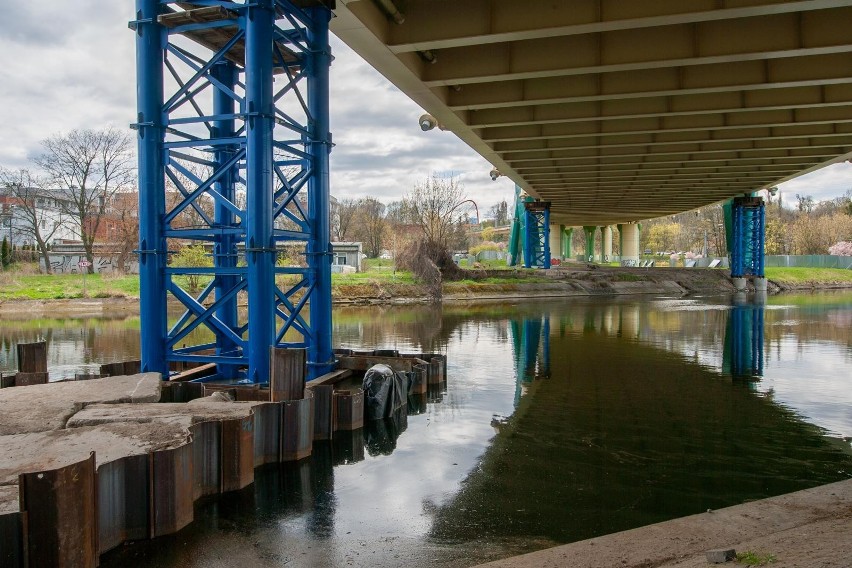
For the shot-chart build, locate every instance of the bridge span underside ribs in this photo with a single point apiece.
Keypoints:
(233, 156)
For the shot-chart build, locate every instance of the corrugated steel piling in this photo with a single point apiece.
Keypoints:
(205, 447)
(59, 513)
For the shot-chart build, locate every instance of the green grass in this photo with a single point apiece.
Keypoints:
(750, 558)
(15, 286)
(374, 276)
(802, 276)
(627, 277)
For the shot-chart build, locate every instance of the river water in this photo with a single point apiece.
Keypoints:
(560, 420)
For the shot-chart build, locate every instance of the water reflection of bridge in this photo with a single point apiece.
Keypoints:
(614, 431)
(742, 327)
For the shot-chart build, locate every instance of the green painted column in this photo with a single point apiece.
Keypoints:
(567, 242)
(590, 242)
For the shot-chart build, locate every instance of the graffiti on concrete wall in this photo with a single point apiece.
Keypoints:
(70, 264)
(629, 262)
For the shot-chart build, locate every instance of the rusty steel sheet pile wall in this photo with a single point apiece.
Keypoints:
(59, 514)
(123, 497)
(147, 495)
(206, 447)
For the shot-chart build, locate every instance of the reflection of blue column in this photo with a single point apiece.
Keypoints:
(743, 354)
(544, 363)
(526, 339)
(515, 330)
(531, 336)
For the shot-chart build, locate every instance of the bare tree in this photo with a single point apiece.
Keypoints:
(127, 228)
(347, 210)
(500, 213)
(89, 166)
(372, 224)
(431, 205)
(35, 221)
(804, 203)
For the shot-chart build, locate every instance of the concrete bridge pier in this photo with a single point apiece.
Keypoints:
(629, 235)
(589, 231)
(606, 243)
(556, 235)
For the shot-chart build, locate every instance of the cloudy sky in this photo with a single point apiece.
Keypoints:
(64, 69)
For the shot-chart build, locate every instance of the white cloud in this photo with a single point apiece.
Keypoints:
(827, 183)
(77, 70)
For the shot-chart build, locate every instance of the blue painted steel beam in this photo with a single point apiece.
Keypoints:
(150, 44)
(320, 356)
(260, 249)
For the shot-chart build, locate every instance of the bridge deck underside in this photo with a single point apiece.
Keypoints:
(620, 111)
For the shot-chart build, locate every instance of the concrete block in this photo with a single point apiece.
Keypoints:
(739, 284)
(39, 408)
(760, 284)
(721, 555)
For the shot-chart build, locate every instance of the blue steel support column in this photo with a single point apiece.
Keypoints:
(150, 41)
(225, 246)
(537, 234)
(747, 237)
(260, 248)
(545, 228)
(320, 356)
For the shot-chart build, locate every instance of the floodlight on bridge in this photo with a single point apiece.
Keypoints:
(427, 122)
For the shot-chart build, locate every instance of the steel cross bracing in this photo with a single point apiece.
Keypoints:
(234, 142)
(536, 234)
(747, 250)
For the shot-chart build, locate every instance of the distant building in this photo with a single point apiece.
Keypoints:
(54, 224)
(347, 254)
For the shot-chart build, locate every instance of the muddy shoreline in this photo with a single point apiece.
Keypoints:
(567, 281)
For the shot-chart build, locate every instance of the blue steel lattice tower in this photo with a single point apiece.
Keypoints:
(537, 234)
(748, 232)
(234, 143)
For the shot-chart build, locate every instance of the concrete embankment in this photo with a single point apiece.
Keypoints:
(810, 528)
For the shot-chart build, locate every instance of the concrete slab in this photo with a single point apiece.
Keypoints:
(805, 528)
(8, 499)
(199, 410)
(40, 408)
(36, 451)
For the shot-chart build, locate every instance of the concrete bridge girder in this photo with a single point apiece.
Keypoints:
(630, 112)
